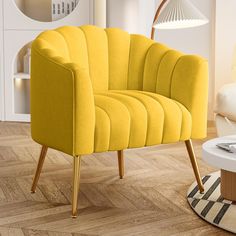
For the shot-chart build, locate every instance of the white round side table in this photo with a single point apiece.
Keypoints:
(225, 161)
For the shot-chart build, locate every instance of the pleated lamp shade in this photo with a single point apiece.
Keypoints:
(180, 14)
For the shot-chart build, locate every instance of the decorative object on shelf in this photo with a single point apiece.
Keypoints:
(177, 14)
(62, 8)
(27, 60)
(211, 207)
(228, 147)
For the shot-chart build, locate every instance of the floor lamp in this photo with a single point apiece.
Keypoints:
(177, 14)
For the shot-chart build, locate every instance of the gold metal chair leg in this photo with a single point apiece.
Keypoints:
(76, 180)
(39, 168)
(121, 163)
(193, 160)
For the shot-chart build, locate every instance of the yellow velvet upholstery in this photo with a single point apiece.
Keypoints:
(96, 90)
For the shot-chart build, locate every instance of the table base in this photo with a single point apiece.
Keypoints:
(228, 185)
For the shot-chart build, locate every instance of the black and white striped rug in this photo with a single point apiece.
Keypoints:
(211, 206)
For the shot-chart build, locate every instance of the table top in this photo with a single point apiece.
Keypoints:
(219, 158)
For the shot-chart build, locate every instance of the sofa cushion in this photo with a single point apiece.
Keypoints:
(131, 119)
(226, 101)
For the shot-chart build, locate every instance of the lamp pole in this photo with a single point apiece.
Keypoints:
(156, 17)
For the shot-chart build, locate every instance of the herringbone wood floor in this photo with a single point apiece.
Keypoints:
(151, 200)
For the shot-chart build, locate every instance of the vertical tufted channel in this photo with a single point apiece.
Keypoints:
(152, 64)
(159, 68)
(55, 41)
(76, 45)
(118, 49)
(166, 71)
(192, 91)
(139, 46)
(97, 46)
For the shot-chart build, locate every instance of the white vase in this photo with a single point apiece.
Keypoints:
(27, 61)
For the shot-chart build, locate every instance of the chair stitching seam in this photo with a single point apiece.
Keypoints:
(109, 141)
(148, 117)
(121, 104)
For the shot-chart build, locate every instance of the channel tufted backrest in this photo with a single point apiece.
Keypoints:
(115, 59)
(79, 64)
(159, 69)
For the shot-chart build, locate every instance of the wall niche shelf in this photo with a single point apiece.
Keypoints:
(23, 21)
(22, 62)
(21, 82)
(22, 96)
(38, 14)
(46, 10)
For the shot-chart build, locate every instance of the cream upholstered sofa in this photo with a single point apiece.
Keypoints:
(226, 110)
(226, 105)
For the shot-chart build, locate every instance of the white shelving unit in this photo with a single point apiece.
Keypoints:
(21, 76)
(23, 21)
(16, 15)
(1, 65)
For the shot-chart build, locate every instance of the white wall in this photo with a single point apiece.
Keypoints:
(134, 16)
(225, 42)
(146, 14)
(1, 65)
(123, 14)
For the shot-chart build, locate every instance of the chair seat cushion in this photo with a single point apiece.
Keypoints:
(132, 119)
(226, 102)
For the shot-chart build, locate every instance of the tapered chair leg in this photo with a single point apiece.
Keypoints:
(75, 190)
(121, 163)
(193, 160)
(39, 168)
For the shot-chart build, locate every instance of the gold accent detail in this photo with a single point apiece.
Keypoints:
(39, 168)
(193, 160)
(121, 163)
(75, 190)
(158, 12)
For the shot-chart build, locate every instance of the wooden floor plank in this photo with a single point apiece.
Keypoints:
(150, 200)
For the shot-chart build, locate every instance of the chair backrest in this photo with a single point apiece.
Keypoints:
(114, 58)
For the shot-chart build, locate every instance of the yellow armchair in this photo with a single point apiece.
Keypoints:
(96, 90)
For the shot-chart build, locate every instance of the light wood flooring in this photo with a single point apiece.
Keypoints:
(150, 200)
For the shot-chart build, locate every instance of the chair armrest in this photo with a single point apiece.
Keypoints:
(62, 104)
(190, 87)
